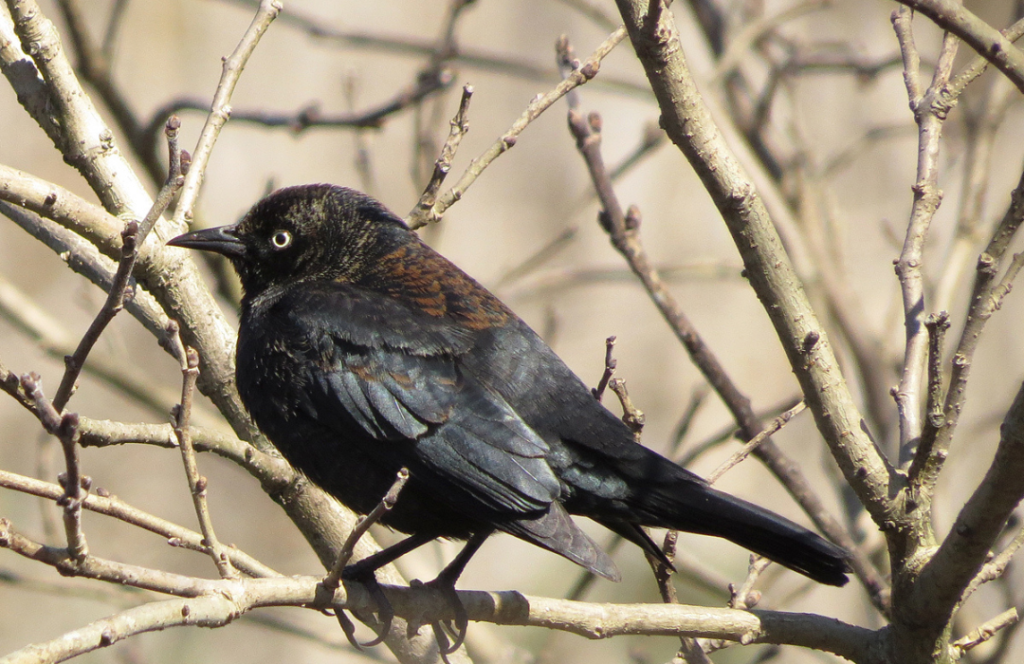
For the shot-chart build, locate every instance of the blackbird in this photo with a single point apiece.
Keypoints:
(362, 351)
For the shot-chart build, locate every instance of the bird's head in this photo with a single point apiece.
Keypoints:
(316, 231)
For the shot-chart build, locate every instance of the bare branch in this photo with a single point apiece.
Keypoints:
(18, 309)
(85, 140)
(930, 111)
(333, 578)
(962, 554)
(99, 502)
(986, 299)
(459, 127)
(21, 72)
(220, 109)
(609, 368)
(88, 144)
(64, 207)
(595, 621)
(310, 116)
(774, 427)
(689, 124)
(65, 427)
(540, 104)
(417, 46)
(983, 633)
(979, 35)
(182, 415)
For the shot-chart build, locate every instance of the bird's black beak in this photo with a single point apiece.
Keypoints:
(222, 240)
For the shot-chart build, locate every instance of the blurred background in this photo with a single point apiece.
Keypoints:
(844, 148)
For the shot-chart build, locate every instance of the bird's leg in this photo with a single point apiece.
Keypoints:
(365, 572)
(445, 582)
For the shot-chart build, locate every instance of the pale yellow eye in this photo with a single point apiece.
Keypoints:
(281, 240)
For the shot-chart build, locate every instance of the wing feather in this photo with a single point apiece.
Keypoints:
(382, 385)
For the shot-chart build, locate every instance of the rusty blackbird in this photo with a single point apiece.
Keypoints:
(361, 351)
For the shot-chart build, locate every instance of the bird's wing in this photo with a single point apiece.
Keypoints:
(392, 371)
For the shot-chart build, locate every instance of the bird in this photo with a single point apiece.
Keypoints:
(362, 351)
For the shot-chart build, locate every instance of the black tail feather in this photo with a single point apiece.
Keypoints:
(694, 507)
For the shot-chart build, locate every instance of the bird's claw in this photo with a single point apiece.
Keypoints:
(385, 612)
(349, 628)
(443, 628)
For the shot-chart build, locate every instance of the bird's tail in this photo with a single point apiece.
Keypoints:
(692, 506)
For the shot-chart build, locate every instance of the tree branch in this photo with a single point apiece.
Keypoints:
(979, 35)
(424, 605)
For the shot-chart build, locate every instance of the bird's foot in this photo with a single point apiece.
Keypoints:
(385, 612)
(450, 634)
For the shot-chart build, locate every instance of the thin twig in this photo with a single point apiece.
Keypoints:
(980, 64)
(309, 116)
(459, 127)
(197, 484)
(100, 502)
(11, 383)
(333, 578)
(976, 33)
(995, 568)
(936, 325)
(986, 299)
(741, 597)
(65, 427)
(983, 633)
(220, 109)
(698, 397)
(632, 416)
(535, 108)
(694, 651)
(744, 596)
(609, 368)
(114, 303)
(756, 441)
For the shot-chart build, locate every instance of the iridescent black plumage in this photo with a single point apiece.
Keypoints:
(361, 350)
